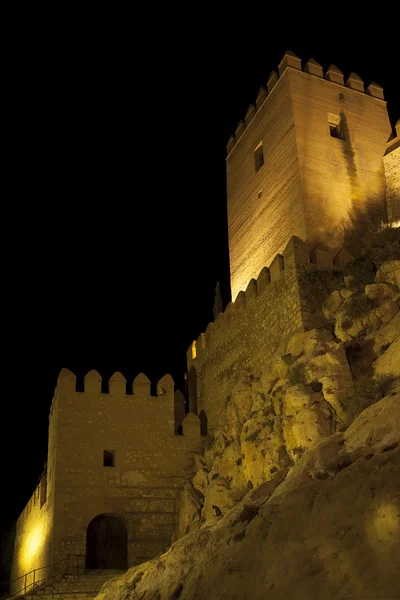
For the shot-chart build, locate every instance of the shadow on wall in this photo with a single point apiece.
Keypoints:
(365, 215)
(349, 156)
(203, 423)
(362, 225)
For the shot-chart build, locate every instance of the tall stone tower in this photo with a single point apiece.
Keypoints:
(307, 159)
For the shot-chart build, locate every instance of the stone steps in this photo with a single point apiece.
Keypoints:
(73, 587)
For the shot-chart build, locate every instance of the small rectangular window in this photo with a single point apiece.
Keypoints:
(258, 157)
(108, 458)
(336, 128)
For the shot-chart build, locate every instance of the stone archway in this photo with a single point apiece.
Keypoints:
(106, 543)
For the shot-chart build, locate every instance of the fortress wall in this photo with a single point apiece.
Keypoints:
(392, 170)
(32, 546)
(339, 177)
(250, 330)
(260, 226)
(152, 465)
(33, 540)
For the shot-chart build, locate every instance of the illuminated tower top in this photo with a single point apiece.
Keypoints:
(306, 159)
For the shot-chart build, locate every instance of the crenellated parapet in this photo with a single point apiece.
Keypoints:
(391, 161)
(312, 68)
(167, 407)
(117, 384)
(295, 256)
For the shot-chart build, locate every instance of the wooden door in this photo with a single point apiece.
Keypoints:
(106, 544)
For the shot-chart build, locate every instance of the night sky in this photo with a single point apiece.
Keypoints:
(118, 232)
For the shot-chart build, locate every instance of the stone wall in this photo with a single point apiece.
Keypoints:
(264, 207)
(151, 466)
(34, 529)
(392, 169)
(312, 183)
(32, 546)
(248, 332)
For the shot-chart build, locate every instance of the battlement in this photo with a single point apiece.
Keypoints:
(312, 69)
(296, 254)
(117, 384)
(163, 412)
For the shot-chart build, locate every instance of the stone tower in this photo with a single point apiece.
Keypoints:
(115, 469)
(305, 161)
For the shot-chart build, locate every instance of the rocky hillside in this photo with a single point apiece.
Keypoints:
(297, 494)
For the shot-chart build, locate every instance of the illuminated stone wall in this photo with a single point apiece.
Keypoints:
(249, 331)
(32, 547)
(34, 529)
(152, 464)
(392, 170)
(310, 184)
(264, 207)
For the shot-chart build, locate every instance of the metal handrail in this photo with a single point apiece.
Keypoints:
(27, 587)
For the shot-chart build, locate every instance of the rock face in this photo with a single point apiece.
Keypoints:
(328, 528)
(297, 492)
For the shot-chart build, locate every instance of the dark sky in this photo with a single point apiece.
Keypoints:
(118, 234)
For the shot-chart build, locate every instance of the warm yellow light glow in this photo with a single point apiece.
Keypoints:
(32, 544)
(193, 350)
(384, 527)
(395, 224)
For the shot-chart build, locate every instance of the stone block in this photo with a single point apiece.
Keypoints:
(240, 302)
(289, 59)
(262, 94)
(209, 334)
(191, 426)
(166, 385)
(296, 252)
(314, 68)
(342, 258)
(231, 144)
(66, 381)
(322, 257)
(229, 313)
(251, 291)
(355, 82)
(263, 280)
(141, 386)
(201, 343)
(272, 81)
(276, 267)
(335, 75)
(251, 111)
(240, 130)
(92, 382)
(375, 90)
(117, 384)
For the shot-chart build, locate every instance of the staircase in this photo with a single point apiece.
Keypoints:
(85, 586)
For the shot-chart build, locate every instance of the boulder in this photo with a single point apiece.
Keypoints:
(389, 272)
(388, 363)
(328, 529)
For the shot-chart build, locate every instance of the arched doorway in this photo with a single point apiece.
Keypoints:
(106, 544)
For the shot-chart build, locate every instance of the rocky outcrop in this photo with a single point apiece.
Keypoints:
(297, 491)
(328, 527)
